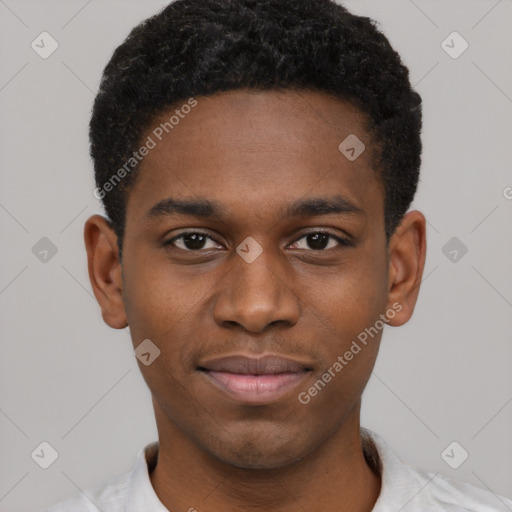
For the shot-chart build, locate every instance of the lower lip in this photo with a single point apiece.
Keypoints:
(255, 388)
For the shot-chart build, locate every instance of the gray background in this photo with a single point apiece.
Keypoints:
(68, 379)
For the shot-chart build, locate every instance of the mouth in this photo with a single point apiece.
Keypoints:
(253, 380)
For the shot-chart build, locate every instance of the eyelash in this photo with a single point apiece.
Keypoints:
(343, 242)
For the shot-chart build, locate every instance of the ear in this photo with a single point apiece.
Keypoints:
(105, 270)
(406, 255)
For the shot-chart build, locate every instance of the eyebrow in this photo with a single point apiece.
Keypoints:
(205, 208)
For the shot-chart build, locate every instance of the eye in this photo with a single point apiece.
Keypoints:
(191, 241)
(319, 240)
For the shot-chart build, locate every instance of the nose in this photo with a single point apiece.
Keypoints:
(257, 295)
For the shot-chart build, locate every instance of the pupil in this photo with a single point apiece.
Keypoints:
(192, 241)
(313, 241)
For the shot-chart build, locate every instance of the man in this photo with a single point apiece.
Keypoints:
(256, 160)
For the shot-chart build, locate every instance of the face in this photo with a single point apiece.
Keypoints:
(249, 233)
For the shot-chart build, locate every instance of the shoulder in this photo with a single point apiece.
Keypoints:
(452, 495)
(108, 497)
(409, 489)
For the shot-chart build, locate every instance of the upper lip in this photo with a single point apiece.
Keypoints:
(263, 365)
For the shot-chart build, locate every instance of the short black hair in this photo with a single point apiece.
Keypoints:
(202, 47)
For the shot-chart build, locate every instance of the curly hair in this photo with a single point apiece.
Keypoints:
(202, 47)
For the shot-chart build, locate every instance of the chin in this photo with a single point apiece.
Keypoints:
(258, 453)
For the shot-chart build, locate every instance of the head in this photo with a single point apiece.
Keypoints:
(256, 160)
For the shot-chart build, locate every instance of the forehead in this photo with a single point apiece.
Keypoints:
(253, 149)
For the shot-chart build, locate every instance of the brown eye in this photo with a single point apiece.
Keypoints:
(319, 241)
(191, 241)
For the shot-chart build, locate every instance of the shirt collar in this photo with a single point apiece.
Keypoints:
(141, 495)
(400, 485)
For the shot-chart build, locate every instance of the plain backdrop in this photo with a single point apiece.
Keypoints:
(68, 379)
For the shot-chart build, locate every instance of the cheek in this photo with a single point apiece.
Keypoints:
(163, 305)
(156, 298)
(157, 311)
(347, 315)
(353, 297)
(349, 334)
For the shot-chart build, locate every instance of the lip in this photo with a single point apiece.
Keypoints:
(250, 365)
(253, 380)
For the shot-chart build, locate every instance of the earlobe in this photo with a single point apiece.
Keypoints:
(407, 252)
(105, 270)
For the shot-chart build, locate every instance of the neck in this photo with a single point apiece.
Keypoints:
(336, 476)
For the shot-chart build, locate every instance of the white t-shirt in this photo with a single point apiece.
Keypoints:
(403, 489)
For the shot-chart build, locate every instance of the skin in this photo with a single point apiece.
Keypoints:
(255, 153)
